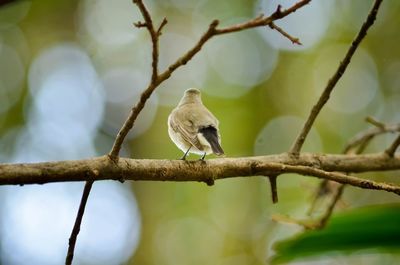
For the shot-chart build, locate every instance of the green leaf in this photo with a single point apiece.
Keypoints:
(375, 227)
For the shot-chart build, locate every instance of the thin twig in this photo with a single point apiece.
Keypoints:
(307, 224)
(362, 139)
(298, 143)
(148, 23)
(163, 23)
(78, 221)
(274, 190)
(328, 213)
(344, 179)
(154, 35)
(375, 122)
(263, 21)
(294, 40)
(324, 189)
(312, 224)
(392, 148)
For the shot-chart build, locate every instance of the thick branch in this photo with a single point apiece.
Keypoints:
(101, 168)
(295, 149)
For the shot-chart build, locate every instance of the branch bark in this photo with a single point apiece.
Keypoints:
(101, 168)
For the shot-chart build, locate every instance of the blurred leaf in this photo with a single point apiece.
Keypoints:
(13, 12)
(374, 227)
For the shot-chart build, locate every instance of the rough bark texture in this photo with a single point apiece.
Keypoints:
(101, 168)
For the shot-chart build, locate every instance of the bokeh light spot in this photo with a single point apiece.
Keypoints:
(193, 74)
(357, 87)
(12, 74)
(123, 88)
(106, 29)
(239, 62)
(37, 221)
(188, 241)
(279, 133)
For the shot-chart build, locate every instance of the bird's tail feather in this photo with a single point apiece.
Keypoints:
(211, 135)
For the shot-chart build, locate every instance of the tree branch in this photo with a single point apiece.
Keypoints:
(261, 21)
(297, 145)
(294, 40)
(328, 213)
(274, 190)
(363, 138)
(154, 35)
(78, 221)
(392, 148)
(313, 224)
(102, 168)
(375, 122)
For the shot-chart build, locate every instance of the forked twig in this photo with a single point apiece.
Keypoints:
(363, 138)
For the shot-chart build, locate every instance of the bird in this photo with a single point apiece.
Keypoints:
(193, 128)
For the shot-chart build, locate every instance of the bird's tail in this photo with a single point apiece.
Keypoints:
(211, 135)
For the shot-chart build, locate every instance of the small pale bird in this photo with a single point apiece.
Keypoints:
(193, 128)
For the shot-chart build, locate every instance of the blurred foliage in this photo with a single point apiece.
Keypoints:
(372, 228)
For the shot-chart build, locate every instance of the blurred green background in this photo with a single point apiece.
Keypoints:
(71, 70)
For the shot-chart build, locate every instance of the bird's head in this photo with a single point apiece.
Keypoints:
(192, 95)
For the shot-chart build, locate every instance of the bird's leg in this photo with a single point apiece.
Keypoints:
(184, 156)
(202, 158)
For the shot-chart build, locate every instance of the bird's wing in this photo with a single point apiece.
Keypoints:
(212, 136)
(186, 128)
